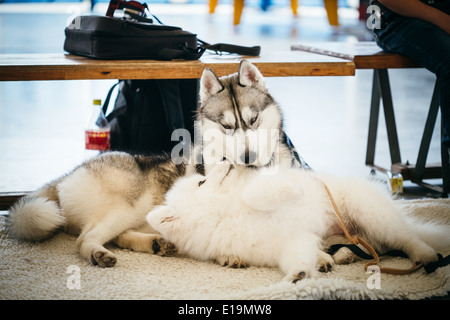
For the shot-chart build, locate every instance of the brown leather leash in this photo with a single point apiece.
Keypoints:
(357, 240)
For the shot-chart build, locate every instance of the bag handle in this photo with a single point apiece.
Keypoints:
(106, 103)
(194, 54)
(230, 48)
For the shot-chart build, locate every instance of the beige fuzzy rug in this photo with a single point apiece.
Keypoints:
(54, 270)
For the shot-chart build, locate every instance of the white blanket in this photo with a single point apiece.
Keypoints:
(53, 270)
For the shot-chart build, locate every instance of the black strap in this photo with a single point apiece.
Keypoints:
(231, 48)
(194, 54)
(108, 97)
(442, 262)
(354, 248)
(429, 268)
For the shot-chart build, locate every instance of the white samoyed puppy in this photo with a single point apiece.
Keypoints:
(281, 219)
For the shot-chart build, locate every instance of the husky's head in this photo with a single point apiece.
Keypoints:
(238, 118)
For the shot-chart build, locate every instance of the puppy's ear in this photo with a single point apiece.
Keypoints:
(249, 75)
(160, 215)
(209, 84)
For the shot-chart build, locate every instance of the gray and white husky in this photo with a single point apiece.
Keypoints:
(108, 197)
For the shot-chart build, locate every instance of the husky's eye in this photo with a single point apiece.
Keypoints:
(227, 126)
(253, 120)
(201, 182)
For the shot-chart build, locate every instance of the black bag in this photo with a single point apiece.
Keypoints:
(113, 38)
(146, 112)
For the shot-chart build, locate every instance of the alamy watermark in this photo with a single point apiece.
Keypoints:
(374, 280)
(74, 280)
(374, 20)
(242, 147)
(74, 20)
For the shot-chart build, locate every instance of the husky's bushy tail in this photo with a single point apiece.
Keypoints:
(36, 216)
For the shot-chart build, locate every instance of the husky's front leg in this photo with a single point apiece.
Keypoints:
(300, 257)
(90, 244)
(145, 242)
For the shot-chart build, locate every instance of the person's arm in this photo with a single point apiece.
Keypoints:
(420, 10)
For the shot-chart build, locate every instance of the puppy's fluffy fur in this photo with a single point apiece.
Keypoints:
(281, 219)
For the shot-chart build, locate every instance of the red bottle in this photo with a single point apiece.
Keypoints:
(97, 132)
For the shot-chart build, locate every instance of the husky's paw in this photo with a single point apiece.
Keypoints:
(324, 262)
(162, 247)
(344, 256)
(231, 262)
(103, 258)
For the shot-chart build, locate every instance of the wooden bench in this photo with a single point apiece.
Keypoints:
(28, 67)
(367, 55)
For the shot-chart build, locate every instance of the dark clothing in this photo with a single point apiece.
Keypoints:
(423, 42)
(429, 46)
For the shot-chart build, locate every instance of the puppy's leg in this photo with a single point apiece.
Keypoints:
(90, 244)
(384, 228)
(324, 262)
(343, 255)
(144, 242)
(96, 234)
(416, 249)
(300, 257)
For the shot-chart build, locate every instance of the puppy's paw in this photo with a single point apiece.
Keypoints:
(162, 247)
(324, 262)
(231, 262)
(301, 272)
(103, 258)
(344, 256)
(298, 276)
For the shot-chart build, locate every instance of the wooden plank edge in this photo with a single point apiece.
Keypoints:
(195, 72)
(384, 61)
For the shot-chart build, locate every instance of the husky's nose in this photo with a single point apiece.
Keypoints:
(248, 157)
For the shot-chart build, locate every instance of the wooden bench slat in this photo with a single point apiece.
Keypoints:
(22, 67)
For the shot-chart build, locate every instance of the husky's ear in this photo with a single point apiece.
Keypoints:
(249, 75)
(209, 84)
